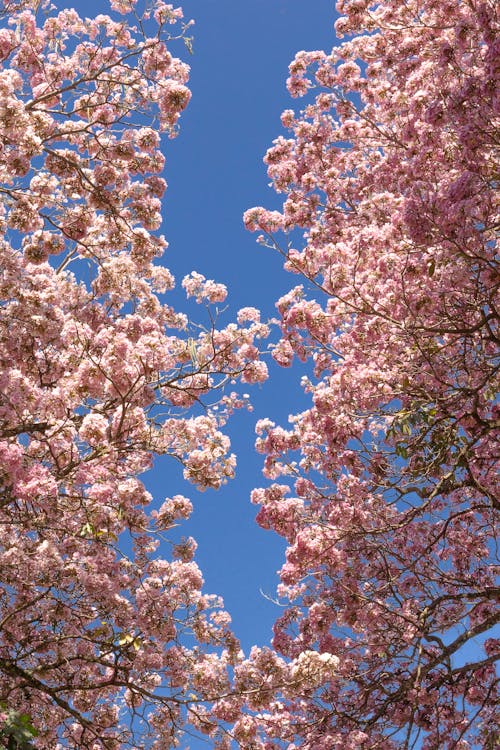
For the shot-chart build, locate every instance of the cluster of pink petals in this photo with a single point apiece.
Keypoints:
(385, 488)
(97, 376)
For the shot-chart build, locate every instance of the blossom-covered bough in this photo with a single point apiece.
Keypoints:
(103, 644)
(388, 494)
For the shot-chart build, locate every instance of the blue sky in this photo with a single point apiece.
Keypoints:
(242, 49)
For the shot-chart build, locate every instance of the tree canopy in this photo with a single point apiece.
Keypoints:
(384, 487)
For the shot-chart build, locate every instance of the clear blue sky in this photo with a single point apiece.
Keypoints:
(242, 49)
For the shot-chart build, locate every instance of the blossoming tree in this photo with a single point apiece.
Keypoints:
(385, 488)
(102, 643)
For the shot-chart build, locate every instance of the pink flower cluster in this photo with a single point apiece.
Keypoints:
(390, 519)
(97, 376)
(196, 285)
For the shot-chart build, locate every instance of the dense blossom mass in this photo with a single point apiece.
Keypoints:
(385, 488)
(98, 374)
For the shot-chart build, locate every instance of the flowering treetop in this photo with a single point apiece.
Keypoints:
(389, 174)
(102, 643)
